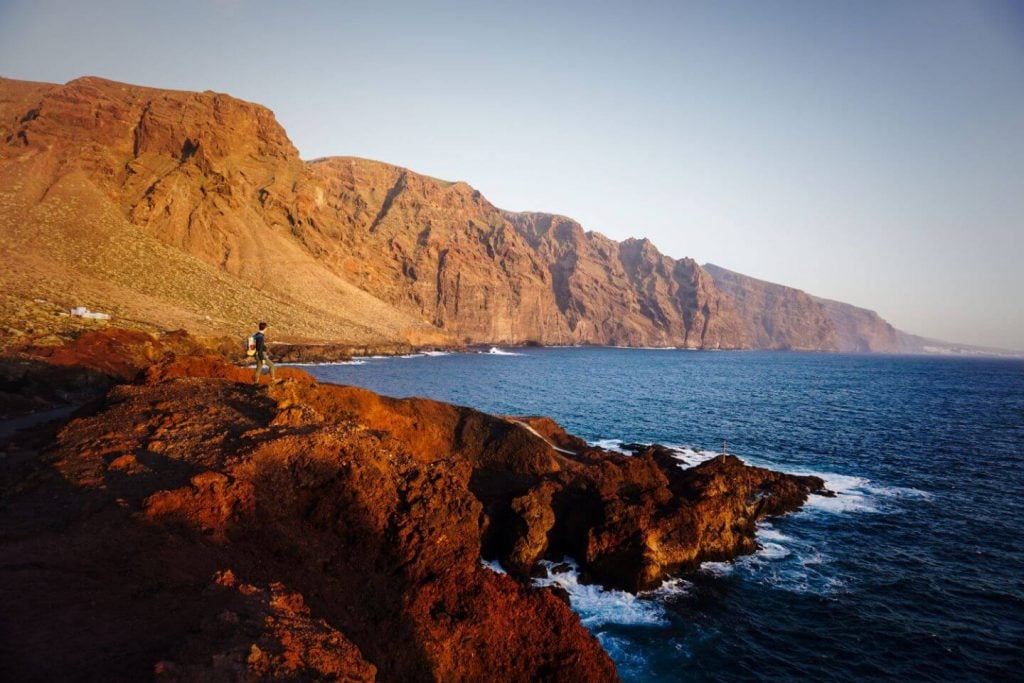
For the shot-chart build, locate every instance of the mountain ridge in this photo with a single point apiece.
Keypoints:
(184, 209)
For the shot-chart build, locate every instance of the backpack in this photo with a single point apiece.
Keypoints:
(250, 346)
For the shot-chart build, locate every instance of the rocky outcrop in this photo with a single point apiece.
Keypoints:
(203, 528)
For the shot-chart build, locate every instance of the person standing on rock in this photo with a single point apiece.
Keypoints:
(261, 354)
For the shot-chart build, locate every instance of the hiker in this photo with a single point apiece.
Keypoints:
(259, 342)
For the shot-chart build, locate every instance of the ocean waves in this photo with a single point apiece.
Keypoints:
(911, 571)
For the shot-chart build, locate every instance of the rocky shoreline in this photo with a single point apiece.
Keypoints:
(187, 524)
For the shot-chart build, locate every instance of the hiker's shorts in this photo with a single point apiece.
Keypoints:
(262, 358)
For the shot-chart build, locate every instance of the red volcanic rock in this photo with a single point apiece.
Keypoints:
(252, 633)
(354, 552)
(202, 528)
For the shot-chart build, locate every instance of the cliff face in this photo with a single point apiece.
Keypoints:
(170, 209)
(628, 293)
(193, 209)
(775, 316)
(860, 330)
(779, 317)
(203, 528)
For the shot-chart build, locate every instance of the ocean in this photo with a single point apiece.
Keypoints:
(915, 571)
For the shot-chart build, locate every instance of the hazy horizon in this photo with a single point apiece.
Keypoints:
(868, 153)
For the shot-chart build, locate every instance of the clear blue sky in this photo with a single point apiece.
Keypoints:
(867, 151)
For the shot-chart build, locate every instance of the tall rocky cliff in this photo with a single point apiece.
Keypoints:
(775, 316)
(178, 209)
(780, 317)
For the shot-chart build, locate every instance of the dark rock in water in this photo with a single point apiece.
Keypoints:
(561, 568)
(538, 571)
(560, 593)
(631, 521)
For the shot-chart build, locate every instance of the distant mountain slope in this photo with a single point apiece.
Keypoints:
(781, 317)
(861, 330)
(179, 209)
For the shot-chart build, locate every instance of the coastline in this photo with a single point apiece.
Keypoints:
(176, 447)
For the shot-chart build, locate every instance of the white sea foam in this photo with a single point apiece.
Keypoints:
(717, 568)
(495, 351)
(767, 532)
(437, 353)
(614, 445)
(853, 493)
(691, 457)
(773, 551)
(781, 562)
(354, 361)
(493, 565)
(598, 607)
(669, 590)
(687, 456)
(900, 492)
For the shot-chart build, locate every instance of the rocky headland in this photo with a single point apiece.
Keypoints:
(166, 517)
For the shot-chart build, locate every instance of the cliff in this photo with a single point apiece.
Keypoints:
(861, 330)
(167, 209)
(189, 525)
(174, 209)
(171, 209)
(780, 317)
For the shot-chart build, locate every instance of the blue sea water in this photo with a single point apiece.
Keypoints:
(915, 571)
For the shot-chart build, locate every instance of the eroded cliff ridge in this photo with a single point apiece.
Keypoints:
(172, 209)
(190, 525)
(195, 210)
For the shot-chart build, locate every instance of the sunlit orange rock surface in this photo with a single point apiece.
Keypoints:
(190, 525)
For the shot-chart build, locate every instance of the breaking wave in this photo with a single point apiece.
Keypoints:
(599, 607)
(496, 351)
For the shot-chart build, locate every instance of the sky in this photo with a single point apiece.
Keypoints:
(867, 151)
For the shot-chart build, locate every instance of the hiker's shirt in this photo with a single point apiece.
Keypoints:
(261, 344)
